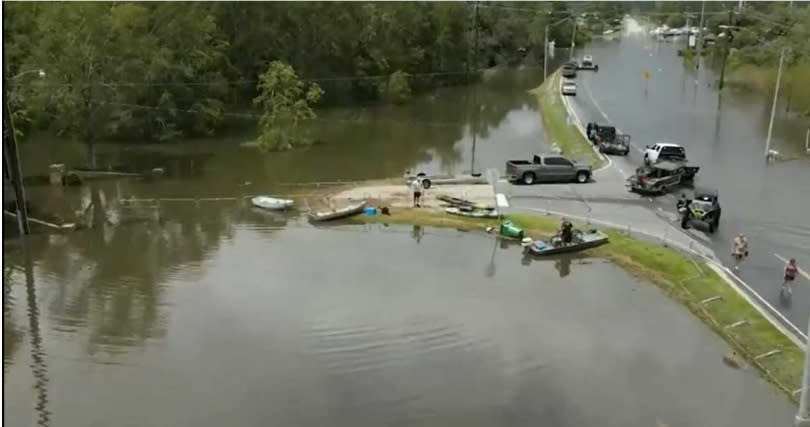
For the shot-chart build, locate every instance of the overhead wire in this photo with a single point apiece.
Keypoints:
(256, 115)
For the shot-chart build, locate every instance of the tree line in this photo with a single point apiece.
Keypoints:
(166, 70)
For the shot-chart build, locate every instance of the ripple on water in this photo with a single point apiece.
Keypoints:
(347, 349)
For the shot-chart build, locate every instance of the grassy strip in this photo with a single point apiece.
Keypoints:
(686, 280)
(557, 128)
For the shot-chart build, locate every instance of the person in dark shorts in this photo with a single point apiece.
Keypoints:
(416, 186)
(790, 275)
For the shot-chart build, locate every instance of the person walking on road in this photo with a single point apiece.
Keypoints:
(416, 187)
(739, 250)
(790, 275)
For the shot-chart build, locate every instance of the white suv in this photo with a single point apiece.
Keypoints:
(663, 151)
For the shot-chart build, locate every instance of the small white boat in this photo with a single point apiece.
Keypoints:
(271, 203)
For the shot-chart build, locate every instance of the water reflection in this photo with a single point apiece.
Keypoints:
(417, 232)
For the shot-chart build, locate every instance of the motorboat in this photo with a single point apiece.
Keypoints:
(581, 240)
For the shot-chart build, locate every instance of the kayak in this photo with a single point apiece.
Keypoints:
(474, 213)
(271, 203)
(346, 211)
(582, 240)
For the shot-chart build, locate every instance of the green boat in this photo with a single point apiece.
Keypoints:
(581, 240)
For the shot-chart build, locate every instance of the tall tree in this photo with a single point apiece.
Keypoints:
(286, 103)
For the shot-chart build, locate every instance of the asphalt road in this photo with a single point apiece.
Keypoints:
(726, 137)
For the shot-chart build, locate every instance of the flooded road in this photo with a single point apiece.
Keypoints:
(725, 135)
(223, 317)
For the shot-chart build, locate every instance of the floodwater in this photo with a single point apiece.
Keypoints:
(724, 133)
(432, 133)
(224, 317)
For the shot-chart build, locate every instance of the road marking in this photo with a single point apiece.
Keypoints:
(595, 104)
(802, 272)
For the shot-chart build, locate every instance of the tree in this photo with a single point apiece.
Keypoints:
(397, 90)
(286, 102)
(156, 50)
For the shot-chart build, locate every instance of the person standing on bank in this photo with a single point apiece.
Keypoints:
(416, 187)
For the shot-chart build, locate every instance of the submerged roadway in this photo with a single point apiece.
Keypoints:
(723, 133)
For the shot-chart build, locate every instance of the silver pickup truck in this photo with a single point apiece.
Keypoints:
(547, 169)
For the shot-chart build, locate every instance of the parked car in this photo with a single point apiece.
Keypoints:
(705, 207)
(569, 88)
(569, 70)
(550, 168)
(662, 177)
(587, 64)
(664, 151)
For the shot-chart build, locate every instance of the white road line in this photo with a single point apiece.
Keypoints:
(596, 104)
(802, 272)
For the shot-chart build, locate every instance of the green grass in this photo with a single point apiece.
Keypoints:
(557, 128)
(686, 280)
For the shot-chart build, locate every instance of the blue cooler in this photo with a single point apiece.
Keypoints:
(370, 211)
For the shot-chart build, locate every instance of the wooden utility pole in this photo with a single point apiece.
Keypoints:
(725, 51)
(545, 55)
(573, 37)
(475, 89)
(700, 35)
(12, 156)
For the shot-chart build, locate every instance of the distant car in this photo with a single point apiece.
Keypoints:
(664, 151)
(587, 64)
(569, 89)
(549, 169)
(569, 70)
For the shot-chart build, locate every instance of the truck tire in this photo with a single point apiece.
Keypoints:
(528, 178)
(583, 177)
(426, 183)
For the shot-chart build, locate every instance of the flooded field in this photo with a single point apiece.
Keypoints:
(232, 317)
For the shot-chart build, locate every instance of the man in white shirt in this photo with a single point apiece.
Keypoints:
(416, 186)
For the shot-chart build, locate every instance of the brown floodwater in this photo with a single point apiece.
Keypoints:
(231, 317)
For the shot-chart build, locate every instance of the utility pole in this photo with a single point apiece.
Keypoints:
(700, 36)
(545, 55)
(12, 155)
(725, 51)
(573, 36)
(475, 88)
(773, 106)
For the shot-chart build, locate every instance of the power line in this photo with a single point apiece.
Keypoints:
(238, 82)
(257, 116)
